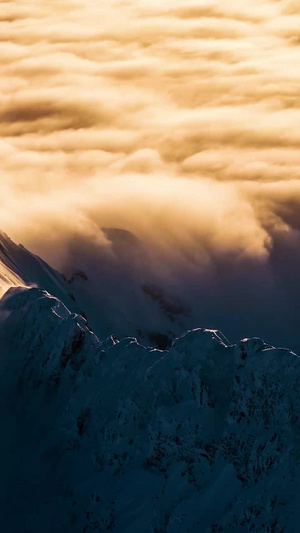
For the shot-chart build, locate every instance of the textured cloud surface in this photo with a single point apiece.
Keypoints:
(125, 109)
(176, 120)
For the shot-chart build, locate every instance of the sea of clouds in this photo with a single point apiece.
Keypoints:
(175, 120)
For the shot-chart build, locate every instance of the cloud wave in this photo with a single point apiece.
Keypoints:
(179, 122)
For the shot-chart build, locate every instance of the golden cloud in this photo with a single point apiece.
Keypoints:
(179, 122)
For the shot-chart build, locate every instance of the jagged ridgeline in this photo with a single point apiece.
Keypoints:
(116, 436)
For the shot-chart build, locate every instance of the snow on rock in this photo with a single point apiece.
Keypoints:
(109, 304)
(19, 267)
(114, 436)
(8, 279)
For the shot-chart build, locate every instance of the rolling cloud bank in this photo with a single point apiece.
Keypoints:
(178, 123)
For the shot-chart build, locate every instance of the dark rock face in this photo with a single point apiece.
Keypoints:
(171, 308)
(117, 437)
(163, 342)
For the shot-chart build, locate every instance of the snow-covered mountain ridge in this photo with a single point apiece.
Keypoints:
(110, 304)
(115, 436)
(19, 267)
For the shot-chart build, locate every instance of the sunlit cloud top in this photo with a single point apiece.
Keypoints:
(176, 120)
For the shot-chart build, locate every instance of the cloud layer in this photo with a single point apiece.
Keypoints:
(178, 121)
(120, 111)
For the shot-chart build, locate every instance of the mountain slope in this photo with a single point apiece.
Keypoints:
(118, 288)
(115, 436)
(109, 292)
(19, 267)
